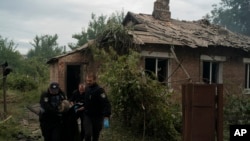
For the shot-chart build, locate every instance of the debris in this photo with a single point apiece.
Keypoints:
(1, 122)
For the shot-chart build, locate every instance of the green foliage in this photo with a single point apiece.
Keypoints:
(81, 38)
(11, 129)
(117, 36)
(116, 17)
(35, 69)
(8, 53)
(139, 102)
(22, 83)
(7, 128)
(45, 47)
(232, 14)
(237, 109)
(95, 27)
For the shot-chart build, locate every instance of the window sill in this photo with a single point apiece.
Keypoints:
(246, 91)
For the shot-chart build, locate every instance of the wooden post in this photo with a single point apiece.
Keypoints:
(4, 96)
(6, 70)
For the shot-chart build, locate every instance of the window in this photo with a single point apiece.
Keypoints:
(246, 62)
(247, 76)
(157, 67)
(212, 68)
(157, 64)
(210, 72)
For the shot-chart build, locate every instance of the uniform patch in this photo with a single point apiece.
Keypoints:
(103, 95)
(46, 99)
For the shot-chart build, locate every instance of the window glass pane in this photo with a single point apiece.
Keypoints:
(247, 76)
(153, 65)
(215, 72)
(248, 72)
(162, 69)
(150, 66)
(206, 72)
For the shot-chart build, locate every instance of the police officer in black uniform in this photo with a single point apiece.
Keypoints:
(97, 108)
(50, 116)
(77, 101)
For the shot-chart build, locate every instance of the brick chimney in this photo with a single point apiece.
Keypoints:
(161, 10)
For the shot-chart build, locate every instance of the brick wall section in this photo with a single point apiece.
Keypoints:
(190, 61)
(234, 72)
(58, 70)
(233, 67)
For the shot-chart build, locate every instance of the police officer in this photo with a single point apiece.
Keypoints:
(77, 101)
(50, 115)
(97, 108)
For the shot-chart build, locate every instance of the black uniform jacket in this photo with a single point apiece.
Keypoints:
(77, 97)
(96, 102)
(49, 107)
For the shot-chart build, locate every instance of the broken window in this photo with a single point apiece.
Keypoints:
(157, 67)
(212, 69)
(247, 76)
(211, 72)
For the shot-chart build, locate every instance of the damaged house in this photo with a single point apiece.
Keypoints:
(176, 51)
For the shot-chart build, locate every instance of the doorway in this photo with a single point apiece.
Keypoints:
(73, 78)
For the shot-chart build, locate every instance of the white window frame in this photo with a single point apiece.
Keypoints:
(159, 55)
(246, 62)
(211, 59)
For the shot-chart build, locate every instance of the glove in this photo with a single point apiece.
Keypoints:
(106, 123)
(76, 108)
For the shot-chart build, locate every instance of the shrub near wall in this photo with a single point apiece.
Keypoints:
(236, 111)
(139, 102)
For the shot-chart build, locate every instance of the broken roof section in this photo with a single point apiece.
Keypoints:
(79, 49)
(148, 30)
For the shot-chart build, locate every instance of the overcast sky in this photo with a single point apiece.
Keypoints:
(22, 20)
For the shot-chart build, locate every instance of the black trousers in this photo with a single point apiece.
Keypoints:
(51, 132)
(92, 126)
(70, 131)
(81, 116)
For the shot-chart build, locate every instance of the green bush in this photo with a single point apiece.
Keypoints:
(21, 83)
(7, 129)
(139, 102)
(236, 111)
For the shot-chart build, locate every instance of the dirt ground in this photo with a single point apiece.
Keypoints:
(30, 123)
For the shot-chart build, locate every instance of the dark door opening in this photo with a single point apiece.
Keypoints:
(73, 78)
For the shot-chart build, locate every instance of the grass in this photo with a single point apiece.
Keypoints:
(20, 123)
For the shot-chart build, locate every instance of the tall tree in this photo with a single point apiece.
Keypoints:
(45, 47)
(116, 17)
(35, 69)
(95, 27)
(233, 14)
(9, 53)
